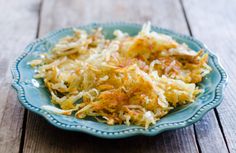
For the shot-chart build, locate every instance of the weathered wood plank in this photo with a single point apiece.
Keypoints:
(209, 135)
(166, 14)
(215, 25)
(42, 137)
(18, 24)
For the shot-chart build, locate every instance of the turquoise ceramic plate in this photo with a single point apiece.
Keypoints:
(32, 94)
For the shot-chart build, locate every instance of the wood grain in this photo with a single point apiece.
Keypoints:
(42, 137)
(18, 24)
(215, 25)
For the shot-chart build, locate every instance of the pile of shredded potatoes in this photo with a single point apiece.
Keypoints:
(126, 80)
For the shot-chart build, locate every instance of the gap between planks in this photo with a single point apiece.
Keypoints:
(221, 128)
(190, 32)
(215, 111)
(22, 140)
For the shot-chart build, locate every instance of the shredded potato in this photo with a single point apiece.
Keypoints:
(126, 80)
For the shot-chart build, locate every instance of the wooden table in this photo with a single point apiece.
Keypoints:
(22, 21)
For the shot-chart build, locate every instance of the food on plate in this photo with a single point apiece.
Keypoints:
(125, 80)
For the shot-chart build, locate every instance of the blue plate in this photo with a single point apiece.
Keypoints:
(32, 94)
